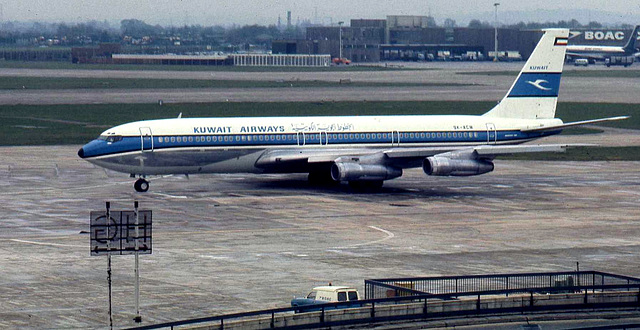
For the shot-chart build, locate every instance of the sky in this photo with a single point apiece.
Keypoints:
(227, 12)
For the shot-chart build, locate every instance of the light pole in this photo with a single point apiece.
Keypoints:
(340, 37)
(495, 50)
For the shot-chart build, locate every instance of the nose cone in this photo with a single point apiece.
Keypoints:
(81, 153)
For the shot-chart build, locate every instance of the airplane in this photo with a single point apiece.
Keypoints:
(361, 150)
(593, 53)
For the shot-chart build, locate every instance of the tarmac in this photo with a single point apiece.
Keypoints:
(464, 87)
(232, 243)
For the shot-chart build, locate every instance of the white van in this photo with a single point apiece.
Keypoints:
(327, 294)
(581, 61)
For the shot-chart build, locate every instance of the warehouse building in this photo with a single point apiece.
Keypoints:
(417, 38)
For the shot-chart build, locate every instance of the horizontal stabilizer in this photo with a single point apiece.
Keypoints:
(573, 124)
(488, 150)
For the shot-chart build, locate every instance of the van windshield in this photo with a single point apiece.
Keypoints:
(311, 295)
(353, 295)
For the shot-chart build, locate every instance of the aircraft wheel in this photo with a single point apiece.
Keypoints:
(141, 185)
(366, 185)
(321, 178)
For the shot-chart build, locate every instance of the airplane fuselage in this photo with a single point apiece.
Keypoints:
(227, 145)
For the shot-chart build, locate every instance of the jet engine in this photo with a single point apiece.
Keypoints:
(445, 166)
(351, 171)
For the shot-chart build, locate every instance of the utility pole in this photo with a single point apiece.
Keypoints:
(495, 51)
(340, 37)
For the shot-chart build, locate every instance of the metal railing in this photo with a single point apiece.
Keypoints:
(384, 288)
(453, 302)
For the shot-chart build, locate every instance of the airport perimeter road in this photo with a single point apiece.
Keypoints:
(226, 243)
(471, 87)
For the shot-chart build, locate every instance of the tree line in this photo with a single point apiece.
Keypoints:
(137, 32)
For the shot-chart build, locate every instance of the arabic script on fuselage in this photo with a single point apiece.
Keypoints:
(321, 127)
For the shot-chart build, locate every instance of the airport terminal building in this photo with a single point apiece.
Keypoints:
(414, 38)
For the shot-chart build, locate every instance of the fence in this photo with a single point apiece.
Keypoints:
(280, 60)
(529, 292)
(509, 283)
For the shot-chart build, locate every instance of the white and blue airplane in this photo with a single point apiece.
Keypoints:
(593, 52)
(362, 150)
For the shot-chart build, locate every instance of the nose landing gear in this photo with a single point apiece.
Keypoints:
(141, 185)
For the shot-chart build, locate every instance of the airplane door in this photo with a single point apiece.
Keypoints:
(146, 139)
(395, 139)
(324, 138)
(301, 138)
(492, 135)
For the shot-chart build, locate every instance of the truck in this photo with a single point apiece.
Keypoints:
(619, 60)
(329, 294)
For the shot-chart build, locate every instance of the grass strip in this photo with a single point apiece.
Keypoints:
(583, 154)
(628, 73)
(10, 83)
(152, 67)
(77, 124)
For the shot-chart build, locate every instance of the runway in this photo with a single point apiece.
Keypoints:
(228, 243)
(231, 243)
(468, 88)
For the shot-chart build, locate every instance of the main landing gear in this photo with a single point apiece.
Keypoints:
(141, 185)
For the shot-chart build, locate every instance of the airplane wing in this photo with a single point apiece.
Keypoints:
(398, 157)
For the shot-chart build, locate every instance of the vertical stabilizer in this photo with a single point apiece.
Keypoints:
(630, 47)
(534, 94)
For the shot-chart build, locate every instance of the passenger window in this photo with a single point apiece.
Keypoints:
(342, 296)
(353, 295)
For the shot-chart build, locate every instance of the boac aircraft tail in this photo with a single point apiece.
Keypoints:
(630, 47)
(534, 94)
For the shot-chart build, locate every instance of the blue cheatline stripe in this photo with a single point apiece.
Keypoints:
(536, 85)
(133, 143)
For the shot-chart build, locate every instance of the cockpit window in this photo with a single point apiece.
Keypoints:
(110, 138)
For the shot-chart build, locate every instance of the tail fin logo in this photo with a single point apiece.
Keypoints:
(538, 84)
